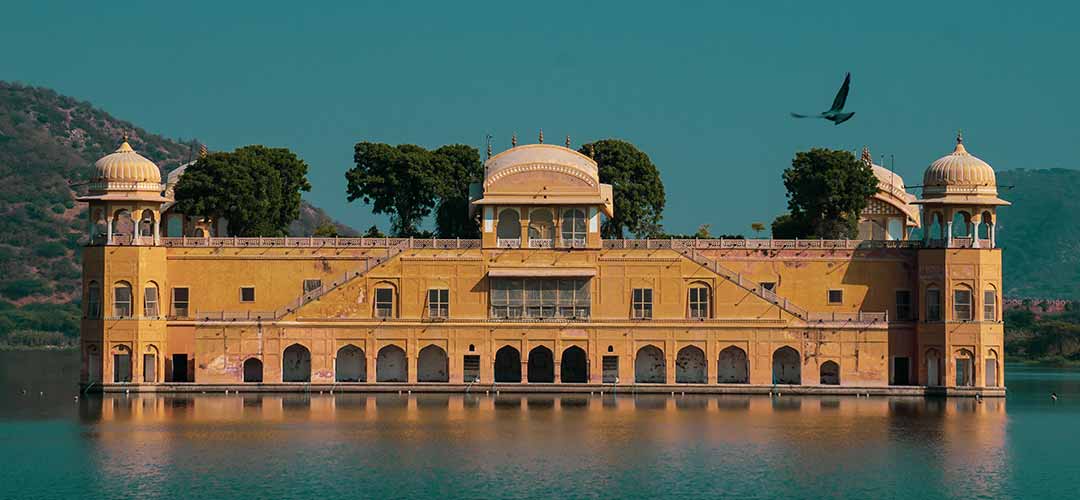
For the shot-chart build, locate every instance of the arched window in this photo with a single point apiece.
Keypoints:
(699, 299)
(123, 227)
(384, 301)
(991, 369)
(830, 373)
(936, 231)
(965, 368)
(895, 230)
(541, 228)
(984, 225)
(93, 300)
(990, 304)
(962, 304)
(933, 303)
(961, 225)
(508, 231)
(122, 300)
(99, 227)
(787, 368)
(574, 229)
(146, 223)
(150, 300)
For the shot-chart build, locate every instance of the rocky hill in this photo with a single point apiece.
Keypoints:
(48, 144)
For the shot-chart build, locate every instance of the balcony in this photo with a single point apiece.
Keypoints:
(541, 243)
(572, 243)
(509, 243)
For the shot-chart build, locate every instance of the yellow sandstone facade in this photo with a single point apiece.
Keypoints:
(541, 302)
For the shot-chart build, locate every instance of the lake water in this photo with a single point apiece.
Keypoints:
(530, 446)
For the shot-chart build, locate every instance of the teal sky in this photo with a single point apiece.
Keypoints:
(704, 88)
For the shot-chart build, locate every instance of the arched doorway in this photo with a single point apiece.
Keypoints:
(933, 368)
(541, 366)
(93, 364)
(296, 364)
(732, 366)
(649, 366)
(508, 365)
(350, 365)
(121, 364)
(690, 366)
(786, 366)
(575, 366)
(253, 370)
(433, 365)
(830, 373)
(965, 368)
(991, 373)
(391, 365)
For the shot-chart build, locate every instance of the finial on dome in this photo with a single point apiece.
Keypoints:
(592, 151)
(568, 141)
(489, 146)
(541, 136)
(960, 149)
(513, 140)
(203, 151)
(866, 158)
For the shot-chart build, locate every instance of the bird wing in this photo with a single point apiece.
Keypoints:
(841, 96)
(796, 115)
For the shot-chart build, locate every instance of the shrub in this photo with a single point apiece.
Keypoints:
(50, 249)
(21, 288)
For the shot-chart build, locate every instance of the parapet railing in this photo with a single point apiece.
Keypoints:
(855, 317)
(456, 243)
(313, 242)
(756, 244)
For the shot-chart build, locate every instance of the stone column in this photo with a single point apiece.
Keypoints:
(948, 234)
(157, 230)
(108, 227)
(975, 221)
(991, 229)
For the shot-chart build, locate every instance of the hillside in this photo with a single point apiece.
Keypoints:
(1040, 233)
(48, 144)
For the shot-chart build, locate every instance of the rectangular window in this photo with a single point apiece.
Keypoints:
(93, 302)
(384, 302)
(699, 302)
(962, 305)
(903, 305)
(642, 303)
(180, 302)
(539, 298)
(438, 303)
(933, 304)
(989, 305)
(836, 296)
(122, 302)
(150, 302)
(247, 294)
(312, 285)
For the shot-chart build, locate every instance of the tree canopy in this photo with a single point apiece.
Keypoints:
(638, 190)
(255, 188)
(408, 182)
(827, 190)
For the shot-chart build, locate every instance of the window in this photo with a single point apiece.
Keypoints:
(642, 303)
(903, 305)
(962, 304)
(699, 301)
(438, 303)
(384, 302)
(573, 227)
(122, 300)
(180, 302)
(312, 285)
(933, 304)
(150, 301)
(540, 298)
(93, 301)
(989, 305)
(836, 296)
(247, 294)
(768, 285)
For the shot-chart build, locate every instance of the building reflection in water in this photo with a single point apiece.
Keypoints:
(804, 439)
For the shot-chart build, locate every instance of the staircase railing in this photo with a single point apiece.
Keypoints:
(369, 264)
(744, 283)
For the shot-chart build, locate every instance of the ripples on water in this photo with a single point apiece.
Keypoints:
(530, 446)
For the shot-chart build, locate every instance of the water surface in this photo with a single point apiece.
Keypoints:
(530, 446)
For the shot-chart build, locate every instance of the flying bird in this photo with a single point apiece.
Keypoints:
(836, 113)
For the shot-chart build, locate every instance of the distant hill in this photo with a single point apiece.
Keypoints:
(1040, 233)
(48, 144)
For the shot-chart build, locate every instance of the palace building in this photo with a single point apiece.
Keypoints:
(541, 301)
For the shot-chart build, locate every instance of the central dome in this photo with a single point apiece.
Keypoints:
(959, 172)
(126, 166)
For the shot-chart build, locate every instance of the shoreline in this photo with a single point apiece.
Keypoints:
(670, 389)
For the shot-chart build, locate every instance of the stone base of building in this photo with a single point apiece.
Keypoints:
(629, 389)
